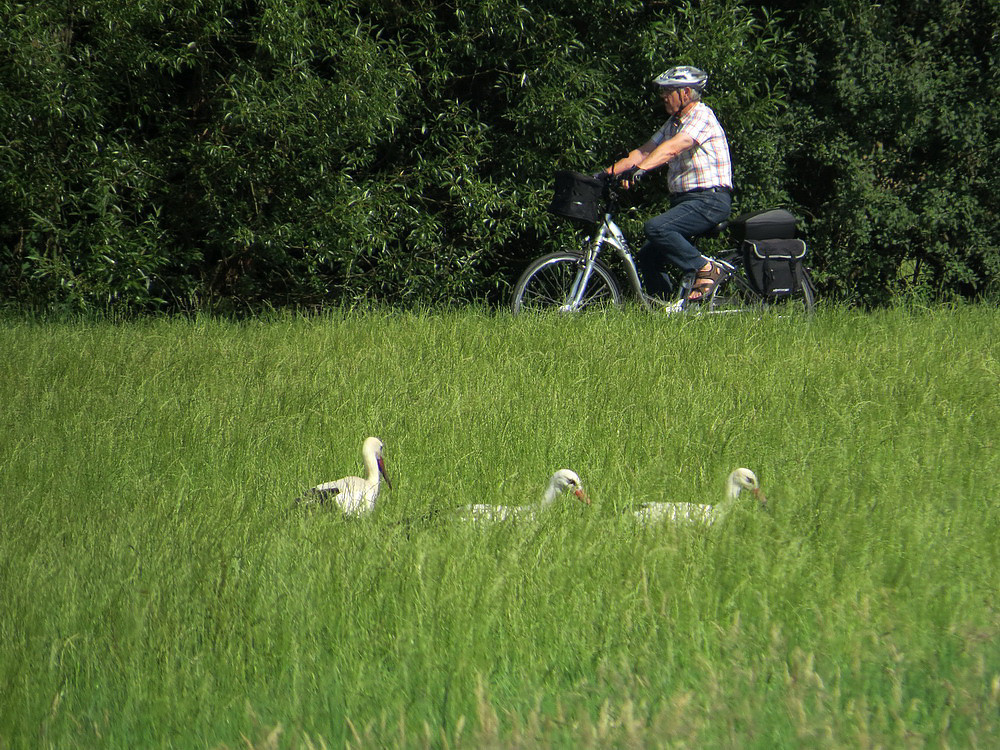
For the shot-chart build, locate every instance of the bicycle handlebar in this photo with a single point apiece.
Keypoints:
(613, 183)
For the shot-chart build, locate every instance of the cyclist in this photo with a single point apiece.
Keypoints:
(694, 147)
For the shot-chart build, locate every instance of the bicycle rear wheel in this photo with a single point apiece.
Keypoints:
(551, 283)
(737, 295)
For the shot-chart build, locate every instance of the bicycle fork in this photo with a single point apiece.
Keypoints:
(579, 282)
(590, 252)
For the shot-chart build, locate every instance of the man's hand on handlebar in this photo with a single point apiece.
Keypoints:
(631, 176)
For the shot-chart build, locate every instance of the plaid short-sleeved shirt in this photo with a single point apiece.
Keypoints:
(705, 165)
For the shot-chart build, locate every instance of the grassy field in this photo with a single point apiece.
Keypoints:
(159, 588)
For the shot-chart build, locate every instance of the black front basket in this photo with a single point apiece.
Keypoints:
(577, 196)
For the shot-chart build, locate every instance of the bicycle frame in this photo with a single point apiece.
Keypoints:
(611, 234)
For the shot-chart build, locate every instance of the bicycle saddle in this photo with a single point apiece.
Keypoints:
(716, 230)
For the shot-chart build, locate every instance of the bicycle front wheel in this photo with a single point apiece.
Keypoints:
(553, 282)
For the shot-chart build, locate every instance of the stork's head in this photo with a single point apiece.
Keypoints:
(744, 479)
(567, 479)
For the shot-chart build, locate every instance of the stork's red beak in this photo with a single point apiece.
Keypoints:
(761, 498)
(381, 470)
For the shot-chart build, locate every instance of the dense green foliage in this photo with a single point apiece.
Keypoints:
(896, 142)
(159, 588)
(165, 155)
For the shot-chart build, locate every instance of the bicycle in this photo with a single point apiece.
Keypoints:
(573, 280)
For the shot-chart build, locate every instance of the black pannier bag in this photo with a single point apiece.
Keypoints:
(772, 255)
(774, 266)
(577, 196)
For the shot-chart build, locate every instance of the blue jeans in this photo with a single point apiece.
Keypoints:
(668, 237)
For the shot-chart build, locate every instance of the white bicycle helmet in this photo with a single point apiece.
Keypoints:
(683, 76)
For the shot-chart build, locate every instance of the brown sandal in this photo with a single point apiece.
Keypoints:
(706, 281)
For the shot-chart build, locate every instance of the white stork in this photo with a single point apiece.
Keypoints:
(562, 480)
(739, 480)
(355, 496)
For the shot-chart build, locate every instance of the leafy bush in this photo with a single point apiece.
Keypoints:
(232, 153)
(894, 146)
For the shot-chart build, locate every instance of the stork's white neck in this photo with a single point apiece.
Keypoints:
(732, 491)
(550, 492)
(370, 455)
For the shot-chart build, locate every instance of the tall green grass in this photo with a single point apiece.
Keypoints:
(158, 586)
